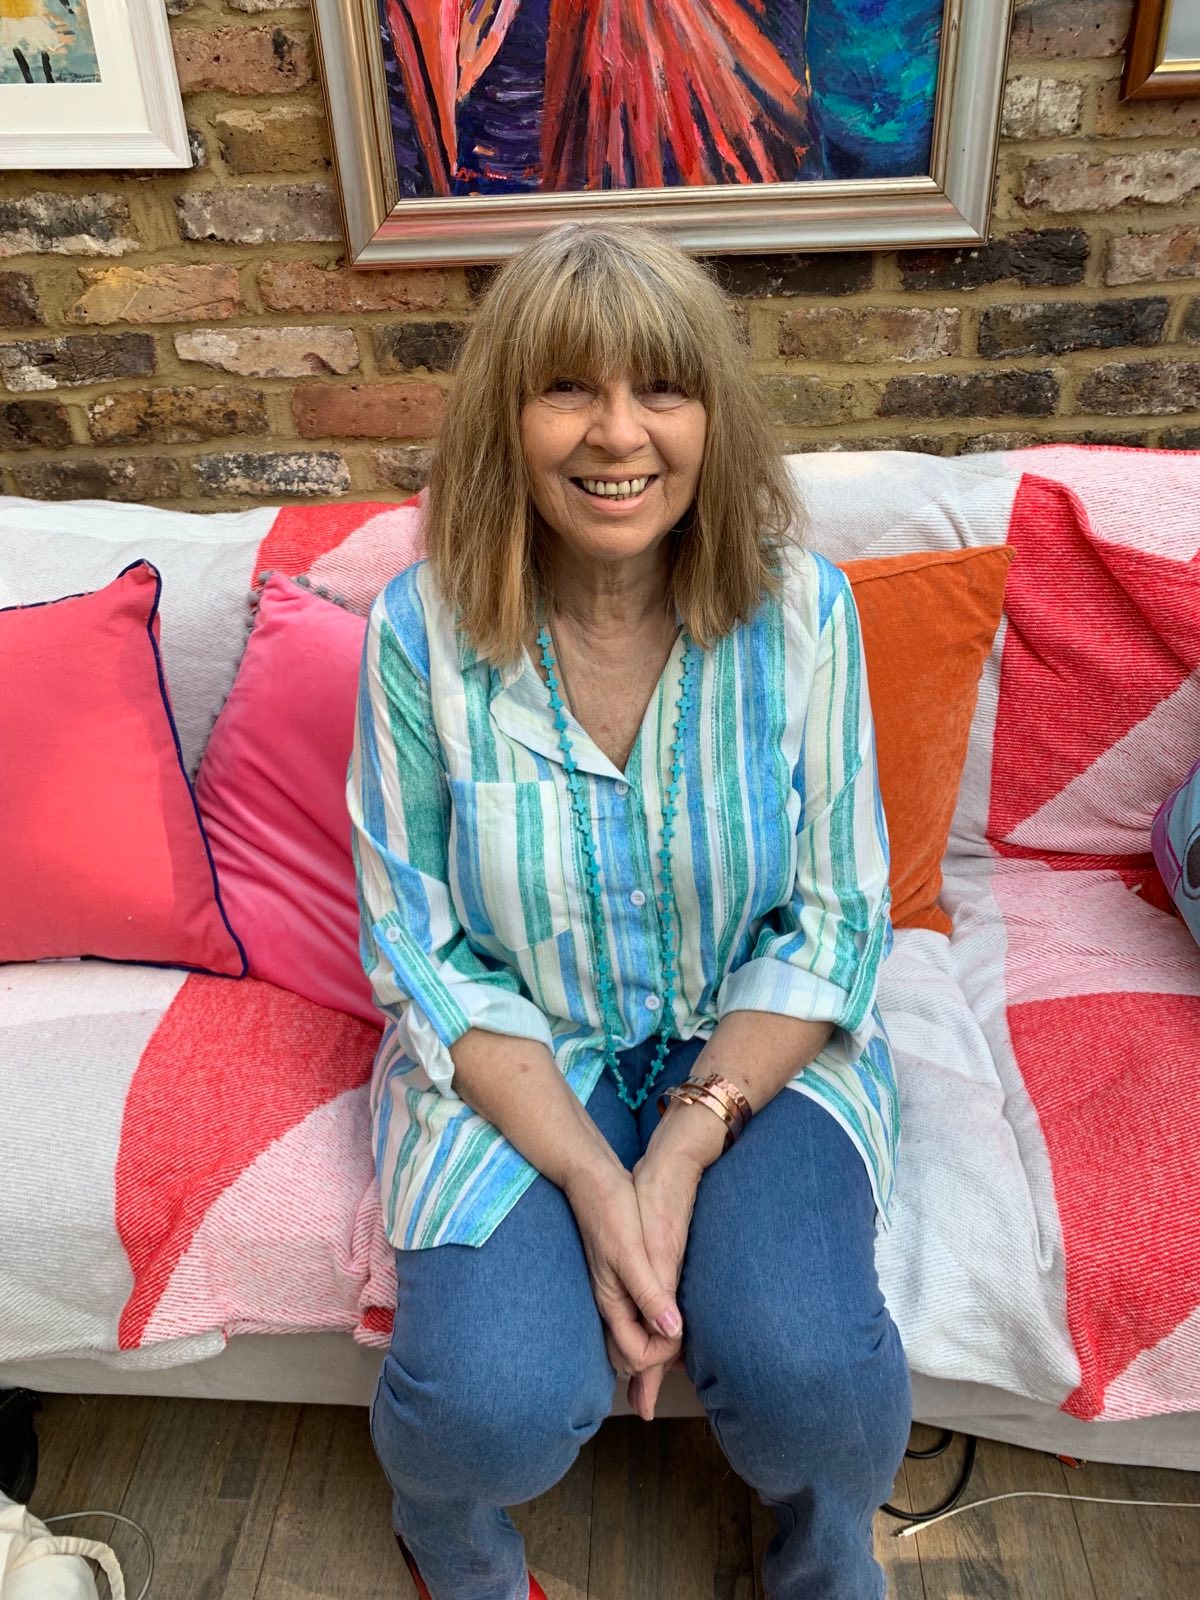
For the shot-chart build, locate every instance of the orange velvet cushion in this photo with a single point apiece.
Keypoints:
(928, 622)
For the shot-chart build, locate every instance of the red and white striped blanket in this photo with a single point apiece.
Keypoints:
(185, 1158)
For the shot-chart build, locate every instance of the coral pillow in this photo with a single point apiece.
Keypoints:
(1175, 837)
(103, 853)
(272, 792)
(928, 622)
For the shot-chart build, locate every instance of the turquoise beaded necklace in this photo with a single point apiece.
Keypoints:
(665, 903)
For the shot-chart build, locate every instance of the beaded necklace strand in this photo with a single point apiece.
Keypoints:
(664, 903)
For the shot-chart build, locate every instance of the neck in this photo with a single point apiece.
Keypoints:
(603, 599)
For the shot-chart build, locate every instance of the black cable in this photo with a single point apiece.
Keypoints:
(955, 1494)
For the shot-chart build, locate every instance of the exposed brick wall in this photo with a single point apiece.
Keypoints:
(195, 338)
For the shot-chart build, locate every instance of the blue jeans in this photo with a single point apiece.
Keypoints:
(498, 1371)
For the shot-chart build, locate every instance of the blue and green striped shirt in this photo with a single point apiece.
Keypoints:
(471, 889)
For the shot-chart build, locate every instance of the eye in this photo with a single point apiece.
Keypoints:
(565, 386)
(662, 391)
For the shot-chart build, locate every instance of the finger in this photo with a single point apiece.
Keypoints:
(656, 1303)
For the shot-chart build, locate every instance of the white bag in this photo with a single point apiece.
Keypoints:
(36, 1564)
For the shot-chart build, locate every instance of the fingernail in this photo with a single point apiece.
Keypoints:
(669, 1323)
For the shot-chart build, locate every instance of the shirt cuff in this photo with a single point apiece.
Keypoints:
(768, 984)
(483, 1006)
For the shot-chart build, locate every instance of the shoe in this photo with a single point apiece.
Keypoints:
(536, 1592)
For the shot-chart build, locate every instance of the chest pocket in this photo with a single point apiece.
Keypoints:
(510, 869)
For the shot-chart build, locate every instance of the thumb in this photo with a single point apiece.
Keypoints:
(657, 1307)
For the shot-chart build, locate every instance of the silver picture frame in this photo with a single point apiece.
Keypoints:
(950, 205)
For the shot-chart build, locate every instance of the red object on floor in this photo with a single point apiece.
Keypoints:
(536, 1592)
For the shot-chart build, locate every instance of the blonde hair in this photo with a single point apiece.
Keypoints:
(599, 301)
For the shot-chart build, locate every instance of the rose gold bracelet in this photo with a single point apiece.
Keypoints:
(723, 1099)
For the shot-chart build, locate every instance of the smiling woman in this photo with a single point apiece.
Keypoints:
(616, 817)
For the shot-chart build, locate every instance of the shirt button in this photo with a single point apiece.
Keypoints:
(652, 1002)
(622, 789)
(637, 898)
(394, 935)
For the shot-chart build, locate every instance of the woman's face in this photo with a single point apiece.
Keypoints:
(588, 445)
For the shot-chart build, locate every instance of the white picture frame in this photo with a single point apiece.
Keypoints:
(946, 206)
(131, 117)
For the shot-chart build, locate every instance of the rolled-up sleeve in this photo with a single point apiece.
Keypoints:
(818, 957)
(424, 974)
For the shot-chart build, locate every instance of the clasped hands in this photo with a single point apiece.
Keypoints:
(634, 1227)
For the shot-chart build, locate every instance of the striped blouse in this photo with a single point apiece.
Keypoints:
(470, 883)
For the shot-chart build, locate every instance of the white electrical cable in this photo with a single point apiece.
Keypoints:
(68, 1516)
(1037, 1494)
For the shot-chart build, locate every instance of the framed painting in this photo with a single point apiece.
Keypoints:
(89, 83)
(1162, 58)
(462, 126)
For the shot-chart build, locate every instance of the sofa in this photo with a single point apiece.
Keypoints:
(187, 1202)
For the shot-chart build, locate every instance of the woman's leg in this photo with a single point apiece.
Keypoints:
(790, 1345)
(496, 1376)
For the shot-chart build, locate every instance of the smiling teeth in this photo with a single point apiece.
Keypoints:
(622, 490)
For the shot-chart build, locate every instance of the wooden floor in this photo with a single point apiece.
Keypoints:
(248, 1501)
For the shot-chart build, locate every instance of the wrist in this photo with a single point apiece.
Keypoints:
(693, 1132)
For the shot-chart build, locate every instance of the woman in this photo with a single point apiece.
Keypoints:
(617, 829)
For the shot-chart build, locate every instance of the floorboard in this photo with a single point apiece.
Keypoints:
(1018, 1550)
(669, 1517)
(247, 1501)
(1139, 1552)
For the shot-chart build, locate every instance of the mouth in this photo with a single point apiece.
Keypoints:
(615, 493)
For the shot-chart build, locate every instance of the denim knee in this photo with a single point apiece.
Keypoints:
(470, 1434)
(787, 1399)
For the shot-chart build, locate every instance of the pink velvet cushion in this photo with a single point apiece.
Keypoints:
(103, 853)
(272, 792)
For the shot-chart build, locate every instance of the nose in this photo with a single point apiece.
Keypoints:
(617, 426)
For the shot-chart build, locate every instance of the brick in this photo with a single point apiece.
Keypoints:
(119, 478)
(971, 394)
(1124, 119)
(176, 416)
(34, 424)
(299, 472)
(241, 60)
(167, 293)
(836, 273)
(1142, 388)
(19, 304)
(30, 365)
(271, 352)
(65, 225)
(1047, 256)
(407, 345)
(1127, 441)
(384, 411)
(1181, 439)
(1154, 257)
(1052, 327)
(256, 8)
(275, 139)
(276, 213)
(401, 466)
(974, 444)
(806, 399)
(304, 286)
(1143, 177)
(925, 444)
(176, 8)
(1190, 329)
(869, 333)
(1041, 108)
(197, 148)
(1071, 29)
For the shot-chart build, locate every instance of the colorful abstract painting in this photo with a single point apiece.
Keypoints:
(46, 41)
(496, 97)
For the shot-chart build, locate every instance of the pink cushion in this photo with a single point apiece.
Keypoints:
(103, 852)
(272, 792)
